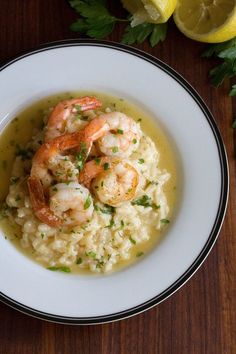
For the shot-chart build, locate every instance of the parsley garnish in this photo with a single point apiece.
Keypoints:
(107, 210)
(134, 141)
(112, 223)
(97, 160)
(141, 161)
(60, 269)
(106, 166)
(120, 131)
(25, 154)
(97, 22)
(79, 260)
(87, 203)
(139, 254)
(139, 33)
(145, 201)
(115, 149)
(165, 221)
(227, 69)
(90, 254)
(132, 240)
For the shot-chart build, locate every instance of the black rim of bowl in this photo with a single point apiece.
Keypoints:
(222, 204)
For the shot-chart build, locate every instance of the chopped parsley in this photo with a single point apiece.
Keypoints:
(108, 209)
(112, 223)
(90, 254)
(87, 203)
(132, 240)
(79, 260)
(139, 120)
(145, 201)
(115, 149)
(17, 198)
(106, 166)
(165, 221)
(25, 154)
(120, 131)
(42, 235)
(141, 161)
(134, 141)
(54, 189)
(139, 254)
(14, 180)
(60, 269)
(122, 224)
(97, 160)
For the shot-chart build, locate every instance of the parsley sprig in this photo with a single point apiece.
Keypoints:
(97, 22)
(227, 69)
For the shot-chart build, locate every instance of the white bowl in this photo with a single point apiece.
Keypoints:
(159, 90)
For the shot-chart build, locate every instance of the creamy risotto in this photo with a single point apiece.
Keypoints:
(92, 189)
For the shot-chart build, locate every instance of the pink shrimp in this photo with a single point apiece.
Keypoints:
(57, 120)
(113, 181)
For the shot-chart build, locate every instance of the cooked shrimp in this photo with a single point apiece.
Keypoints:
(56, 124)
(69, 204)
(120, 134)
(46, 162)
(113, 181)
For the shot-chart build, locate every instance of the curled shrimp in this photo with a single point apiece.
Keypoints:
(57, 120)
(113, 181)
(42, 175)
(119, 134)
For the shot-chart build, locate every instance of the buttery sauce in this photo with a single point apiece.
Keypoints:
(21, 128)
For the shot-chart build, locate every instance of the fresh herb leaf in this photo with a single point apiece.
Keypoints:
(97, 22)
(106, 166)
(227, 69)
(145, 201)
(132, 240)
(141, 161)
(87, 203)
(134, 141)
(120, 131)
(97, 160)
(90, 254)
(158, 34)
(61, 269)
(234, 124)
(107, 210)
(233, 91)
(139, 33)
(112, 223)
(115, 149)
(139, 254)
(79, 260)
(165, 221)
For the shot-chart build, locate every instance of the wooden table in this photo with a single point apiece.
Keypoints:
(201, 317)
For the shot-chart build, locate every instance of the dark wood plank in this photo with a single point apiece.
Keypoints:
(198, 319)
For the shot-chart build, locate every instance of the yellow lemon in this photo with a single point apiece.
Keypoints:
(152, 11)
(210, 21)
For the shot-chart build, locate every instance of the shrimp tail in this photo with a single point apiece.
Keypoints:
(39, 205)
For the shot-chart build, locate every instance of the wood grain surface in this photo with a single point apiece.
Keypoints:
(201, 317)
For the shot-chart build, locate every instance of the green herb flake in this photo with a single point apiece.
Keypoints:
(97, 160)
(42, 235)
(234, 124)
(17, 198)
(132, 240)
(87, 202)
(79, 261)
(120, 131)
(134, 141)
(139, 254)
(141, 161)
(115, 149)
(139, 120)
(165, 221)
(91, 254)
(78, 108)
(106, 166)
(14, 180)
(60, 269)
(122, 224)
(54, 189)
(112, 223)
